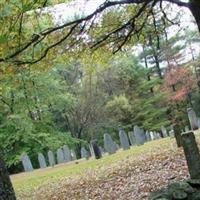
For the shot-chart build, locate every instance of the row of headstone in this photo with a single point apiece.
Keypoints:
(63, 155)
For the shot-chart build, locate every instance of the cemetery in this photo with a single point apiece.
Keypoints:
(100, 100)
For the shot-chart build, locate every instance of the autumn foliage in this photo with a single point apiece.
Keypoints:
(179, 82)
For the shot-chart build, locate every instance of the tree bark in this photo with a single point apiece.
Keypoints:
(194, 7)
(6, 189)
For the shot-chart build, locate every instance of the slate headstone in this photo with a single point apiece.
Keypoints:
(26, 162)
(152, 135)
(67, 153)
(164, 131)
(60, 156)
(192, 154)
(124, 139)
(192, 119)
(139, 135)
(109, 145)
(41, 160)
(51, 158)
(96, 149)
(131, 138)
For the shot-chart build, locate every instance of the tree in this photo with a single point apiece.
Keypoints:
(73, 32)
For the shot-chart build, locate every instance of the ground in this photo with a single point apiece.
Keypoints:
(129, 174)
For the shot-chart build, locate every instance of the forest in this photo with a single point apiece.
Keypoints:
(71, 80)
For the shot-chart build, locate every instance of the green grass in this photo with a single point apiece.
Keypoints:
(26, 181)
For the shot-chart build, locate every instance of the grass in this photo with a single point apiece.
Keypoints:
(30, 180)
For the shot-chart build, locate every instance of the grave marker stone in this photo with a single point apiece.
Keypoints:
(41, 160)
(51, 158)
(109, 145)
(132, 138)
(124, 139)
(96, 149)
(139, 135)
(67, 153)
(192, 154)
(164, 131)
(26, 162)
(148, 136)
(192, 119)
(73, 154)
(60, 156)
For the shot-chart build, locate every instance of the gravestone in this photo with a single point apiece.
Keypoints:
(148, 136)
(152, 135)
(171, 133)
(41, 160)
(84, 153)
(96, 149)
(67, 153)
(109, 145)
(139, 135)
(102, 150)
(51, 158)
(192, 119)
(131, 138)
(26, 162)
(60, 156)
(192, 154)
(124, 139)
(73, 154)
(164, 131)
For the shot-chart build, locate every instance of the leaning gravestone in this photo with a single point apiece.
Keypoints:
(139, 135)
(192, 154)
(96, 149)
(41, 160)
(67, 153)
(109, 145)
(73, 154)
(51, 158)
(192, 118)
(164, 131)
(91, 151)
(60, 156)
(131, 138)
(124, 139)
(26, 162)
(84, 153)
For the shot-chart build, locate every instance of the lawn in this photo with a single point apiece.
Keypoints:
(137, 168)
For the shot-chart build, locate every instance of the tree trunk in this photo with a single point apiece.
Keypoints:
(194, 7)
(6, 189)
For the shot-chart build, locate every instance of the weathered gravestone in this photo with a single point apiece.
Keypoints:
(192, 119)
(67, 153)
(60, 156)
(132, 138)
(192, 154)
(152, 135)
(96, 149)
(84, 153)
(26, 162)
(139, 135)
(124, 139)
(41, 160)
(51, 158)
(73, 154)
(148, 136)
(109, 145)
(164, 131)
(91, 151)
